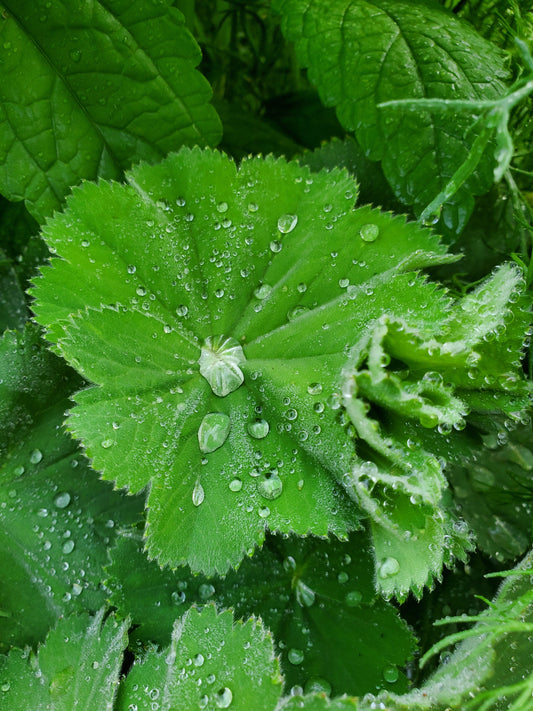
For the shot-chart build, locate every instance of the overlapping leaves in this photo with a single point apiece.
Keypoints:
(87, 88)
(360, 54)
(221, 315)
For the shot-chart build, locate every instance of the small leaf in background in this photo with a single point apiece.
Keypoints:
(211, 663)
(88, 89)
(361, 54)
(56, 518)
(77, 666)
(317, 598)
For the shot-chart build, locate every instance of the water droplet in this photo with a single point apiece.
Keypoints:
(198, 493)
(68, 547)
(317, 685)
(106, 443)
(388, 568)
(302, 287)
(314, 388)
(213, 431)
(36, 456)
(62, 500)
(295, 656)
(182, 310)
(264, 512)
(222, 207)
(270, 486)
(390, 674)
(258, 429)
(304, 594)
(132, 268)
(198, 660)
(223, 698)
(75, 55)
(275, 246)
(287, 223)
(343, 577)
(206, 590)
(353, 598)
(289, 564)
(262, 291)
(369, 233)
(235, 484)
(296, 312)
(219, 363)
(5, 686)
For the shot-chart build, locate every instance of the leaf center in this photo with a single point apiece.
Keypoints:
(220, 361)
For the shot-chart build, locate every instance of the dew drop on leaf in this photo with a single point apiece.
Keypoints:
(198, 493)
(258, 429)
(182, 310)
(62, 500)
(287, 223)
(353, 598)
(36, 456)
(206, 590)
(213, 431)
(388, 568)
(317, 685)
(369, 233)
(270, 486)
(223, 698)
(314, 388)
(68, 547)
(390, 674)
(262, 291)
(304, 594)
(295, 656)
(219, 363)
(235, 484)
(264, 512)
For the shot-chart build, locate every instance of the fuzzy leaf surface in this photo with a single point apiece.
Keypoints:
(360, 54)
(78, 665)
(210, 663)
(87, 88)
(192, 253)
(56, 518)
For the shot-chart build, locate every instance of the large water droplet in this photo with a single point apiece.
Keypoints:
(270, 486)
(369, 233)
(388, 568)
(304, 594)
(75, 55)
(258, 429)
(287, 223)
(235, 484)
(353, 598)
(262, 291)
(198, 493)
(213, 431)
(62, 500)
(296, 656)
(219, 362)
(390, 674)
(317, 685)
(36, 456)
(223, 698)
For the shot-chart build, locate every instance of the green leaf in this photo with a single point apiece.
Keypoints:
(78, 665)
(316, 597)
(317, 702)
(56, 518)
(211, 663)
(361, 54)
(89, 89)
(191, 251)
(491, 667)
(13, 311)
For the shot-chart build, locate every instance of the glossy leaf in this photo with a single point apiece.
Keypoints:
(56, 518)
(361, 54)
(90, 87)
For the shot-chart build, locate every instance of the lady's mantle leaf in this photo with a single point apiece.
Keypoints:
(316, 597)
(196, 276)
(210, 664)
(56, 518)
(362, 53)
(77, 667)
(89, 87)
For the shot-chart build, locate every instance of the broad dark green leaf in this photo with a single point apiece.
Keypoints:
(361, 53)
(316, 597)
(56, 518)
(88, 87)
(77, 667)
(211, 663)
(271, 256)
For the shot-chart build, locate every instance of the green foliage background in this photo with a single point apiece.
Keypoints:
(265, 373)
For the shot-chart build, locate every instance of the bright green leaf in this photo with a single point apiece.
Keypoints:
(78, 666)
(90, 87)
(211, 663)
(361, 54)
(56, 518)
